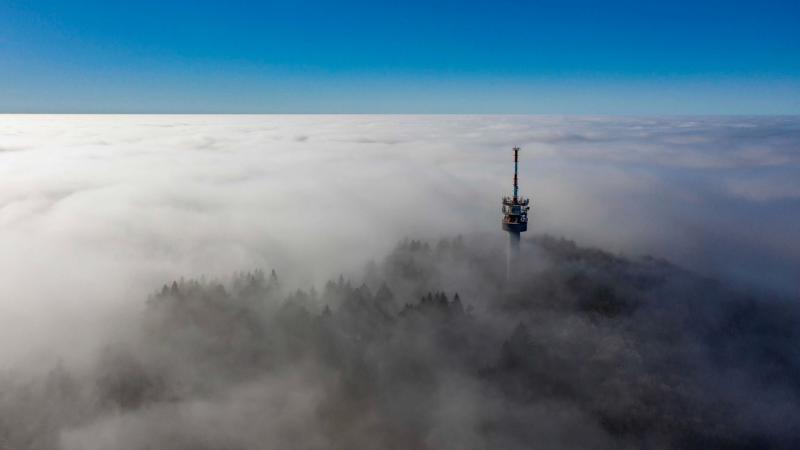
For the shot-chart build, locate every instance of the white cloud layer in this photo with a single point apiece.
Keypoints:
(98, 211)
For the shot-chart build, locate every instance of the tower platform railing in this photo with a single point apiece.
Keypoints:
(518, 201)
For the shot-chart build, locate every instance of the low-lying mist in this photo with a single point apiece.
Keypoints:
(339, 282)
(433, 348)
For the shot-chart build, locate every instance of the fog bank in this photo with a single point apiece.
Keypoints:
(98, 212)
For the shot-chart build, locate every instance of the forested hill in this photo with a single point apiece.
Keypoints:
(433, 349)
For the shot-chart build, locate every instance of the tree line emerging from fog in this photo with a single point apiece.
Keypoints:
(433, 349)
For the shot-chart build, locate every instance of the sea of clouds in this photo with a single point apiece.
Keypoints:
(98, 211)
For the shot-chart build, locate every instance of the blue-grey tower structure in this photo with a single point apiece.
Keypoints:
(515, 217)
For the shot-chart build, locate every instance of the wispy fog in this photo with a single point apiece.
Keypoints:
(97, 213)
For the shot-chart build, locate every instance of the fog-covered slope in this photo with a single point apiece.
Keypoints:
(431, 348)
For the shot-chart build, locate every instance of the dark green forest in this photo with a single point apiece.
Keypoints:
(432, 348)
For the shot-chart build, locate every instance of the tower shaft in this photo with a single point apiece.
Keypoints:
(512, 256)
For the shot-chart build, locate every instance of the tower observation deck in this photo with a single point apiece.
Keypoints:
(515, 216)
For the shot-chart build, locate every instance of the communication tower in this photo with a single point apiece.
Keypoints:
(515, 216)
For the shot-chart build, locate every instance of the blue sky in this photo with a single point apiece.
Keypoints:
(560, 57)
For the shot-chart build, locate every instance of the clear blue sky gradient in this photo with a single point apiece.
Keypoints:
(550, 57)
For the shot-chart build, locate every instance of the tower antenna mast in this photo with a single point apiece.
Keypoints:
(516, 172)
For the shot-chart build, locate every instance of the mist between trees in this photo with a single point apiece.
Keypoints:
(431, 348)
